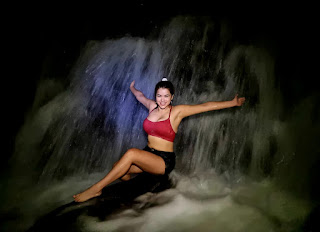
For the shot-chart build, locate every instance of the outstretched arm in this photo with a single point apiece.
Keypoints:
(187, 110)
(141, 98)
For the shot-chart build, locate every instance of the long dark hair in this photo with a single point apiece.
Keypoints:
(164, 83)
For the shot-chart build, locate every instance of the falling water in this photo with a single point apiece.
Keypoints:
(233, 165)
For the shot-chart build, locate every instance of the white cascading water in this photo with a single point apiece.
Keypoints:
(232, 164)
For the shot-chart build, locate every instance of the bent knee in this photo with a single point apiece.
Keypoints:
(131, 152)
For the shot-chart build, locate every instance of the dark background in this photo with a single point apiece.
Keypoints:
(46, 40)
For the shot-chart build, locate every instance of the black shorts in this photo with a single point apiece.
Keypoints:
(168, 157)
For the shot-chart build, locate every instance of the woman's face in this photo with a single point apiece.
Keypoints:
(163, 97)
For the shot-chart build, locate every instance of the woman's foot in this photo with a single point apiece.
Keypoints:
(91, 192)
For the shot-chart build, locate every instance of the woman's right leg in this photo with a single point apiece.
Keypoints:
(146, 161)
(133, 170)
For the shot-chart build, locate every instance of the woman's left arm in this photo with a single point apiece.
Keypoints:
(187, 110)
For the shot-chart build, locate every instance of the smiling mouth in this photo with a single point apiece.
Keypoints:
(162, 105)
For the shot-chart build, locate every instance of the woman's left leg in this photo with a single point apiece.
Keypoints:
(146, 161)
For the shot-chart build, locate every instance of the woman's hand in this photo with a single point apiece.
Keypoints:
(132, 85)
(238, 101)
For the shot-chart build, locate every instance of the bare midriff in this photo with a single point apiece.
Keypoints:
(160, 144)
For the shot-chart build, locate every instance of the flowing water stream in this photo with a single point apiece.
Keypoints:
(239, 169)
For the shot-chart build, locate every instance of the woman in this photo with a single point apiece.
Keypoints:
(161, 126)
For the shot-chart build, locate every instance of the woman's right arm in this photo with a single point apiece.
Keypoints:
(141, 98)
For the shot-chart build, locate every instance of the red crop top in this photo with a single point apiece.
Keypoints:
(160, 129)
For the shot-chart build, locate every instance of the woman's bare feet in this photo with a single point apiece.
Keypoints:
(91, 192)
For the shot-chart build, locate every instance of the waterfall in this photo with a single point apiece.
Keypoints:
(72, 138)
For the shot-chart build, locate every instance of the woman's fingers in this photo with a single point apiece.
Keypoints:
(132, 84)
(241, 100)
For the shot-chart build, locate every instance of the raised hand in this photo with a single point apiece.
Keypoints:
(132, 84)
(239, 101)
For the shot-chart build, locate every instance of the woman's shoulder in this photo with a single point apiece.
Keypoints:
(182, 111)
(152, 105)
(177, 107)
(175, 110)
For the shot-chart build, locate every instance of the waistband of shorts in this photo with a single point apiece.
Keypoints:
(147, 148)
